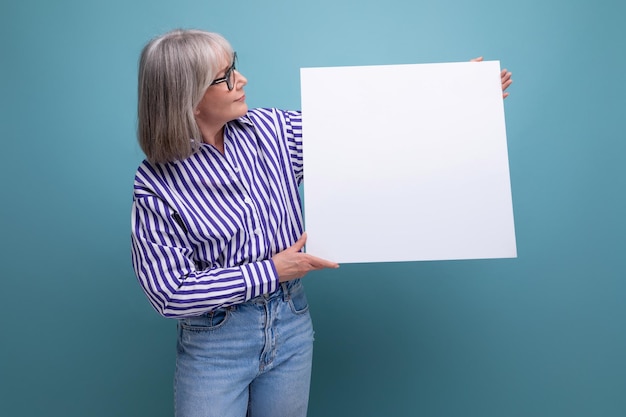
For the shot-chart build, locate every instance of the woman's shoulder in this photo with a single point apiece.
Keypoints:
(149, 171)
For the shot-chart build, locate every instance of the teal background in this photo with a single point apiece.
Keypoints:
(540, 335)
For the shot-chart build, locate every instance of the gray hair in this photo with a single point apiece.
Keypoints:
(175, 70)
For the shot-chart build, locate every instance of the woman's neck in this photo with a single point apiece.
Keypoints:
(213, 137)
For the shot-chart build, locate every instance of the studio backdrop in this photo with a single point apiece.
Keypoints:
(543, 334)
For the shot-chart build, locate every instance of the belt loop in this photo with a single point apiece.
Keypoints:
(286, 294)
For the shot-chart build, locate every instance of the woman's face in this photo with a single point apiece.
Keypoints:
(220, 105)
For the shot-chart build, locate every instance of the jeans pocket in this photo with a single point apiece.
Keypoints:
(209, 321)
(297, 299)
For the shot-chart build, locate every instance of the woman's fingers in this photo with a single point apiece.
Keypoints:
(292, 263)
(319, 263)
(299, 243)
(505, 77)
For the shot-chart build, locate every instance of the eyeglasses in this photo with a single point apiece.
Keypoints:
(229, 77)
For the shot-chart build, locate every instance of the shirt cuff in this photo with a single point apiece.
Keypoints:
(260, 278)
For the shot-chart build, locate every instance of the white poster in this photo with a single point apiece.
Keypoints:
(406, 163)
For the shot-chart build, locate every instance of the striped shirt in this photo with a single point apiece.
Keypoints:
(204, 228)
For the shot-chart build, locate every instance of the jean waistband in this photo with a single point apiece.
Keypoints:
(283, 291)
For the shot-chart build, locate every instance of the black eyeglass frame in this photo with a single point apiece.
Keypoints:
(230, 83)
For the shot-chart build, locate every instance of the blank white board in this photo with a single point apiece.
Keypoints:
(406, 163)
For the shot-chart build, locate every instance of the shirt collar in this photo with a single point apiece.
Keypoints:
(245, 119)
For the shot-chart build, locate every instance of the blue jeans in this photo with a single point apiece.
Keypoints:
(252, 359)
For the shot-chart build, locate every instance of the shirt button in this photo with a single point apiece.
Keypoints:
(257, 231)
(247, 200)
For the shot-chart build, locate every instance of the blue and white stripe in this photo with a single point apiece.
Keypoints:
(204, 228)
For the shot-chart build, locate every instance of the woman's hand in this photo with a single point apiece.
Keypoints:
(291, 263)
(505, 77)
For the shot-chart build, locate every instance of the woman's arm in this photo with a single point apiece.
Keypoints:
(163, 261)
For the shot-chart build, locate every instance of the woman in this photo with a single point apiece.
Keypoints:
(217, 231)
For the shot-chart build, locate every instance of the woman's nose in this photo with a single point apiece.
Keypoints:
(240, 80)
